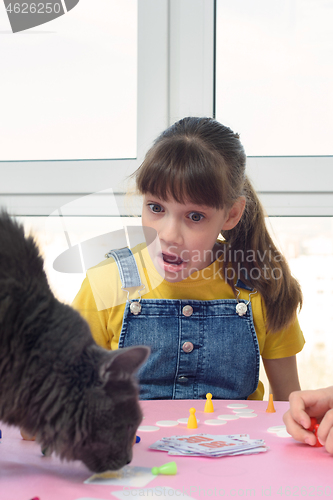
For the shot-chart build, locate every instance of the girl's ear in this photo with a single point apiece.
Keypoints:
(234, 214)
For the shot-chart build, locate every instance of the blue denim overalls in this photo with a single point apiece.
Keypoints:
(196, 346)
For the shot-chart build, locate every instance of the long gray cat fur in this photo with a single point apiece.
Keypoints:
(78, 399)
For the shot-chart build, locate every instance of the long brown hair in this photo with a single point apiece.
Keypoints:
(200, 160)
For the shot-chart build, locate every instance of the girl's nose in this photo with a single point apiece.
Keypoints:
(171, 232)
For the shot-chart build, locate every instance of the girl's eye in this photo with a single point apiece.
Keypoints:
(154, 207)
(195, 216)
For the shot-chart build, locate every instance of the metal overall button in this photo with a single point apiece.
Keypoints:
(135, 307)
(182, 380)
(188, 347)
(241, 307)
(187, 310)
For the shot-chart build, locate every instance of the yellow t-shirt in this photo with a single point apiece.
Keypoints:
(101, 301)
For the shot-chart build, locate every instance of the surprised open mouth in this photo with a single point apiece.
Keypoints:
(172, 259)
(171, 263)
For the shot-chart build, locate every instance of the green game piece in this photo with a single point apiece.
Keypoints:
(169, 469)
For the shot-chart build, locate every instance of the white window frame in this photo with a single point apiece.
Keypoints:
(294, 185)
(39, 188)
(176, 78)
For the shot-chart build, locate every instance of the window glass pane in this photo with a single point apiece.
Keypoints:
(56, 235)
(69, 87)
(307, 243)
(274, 75)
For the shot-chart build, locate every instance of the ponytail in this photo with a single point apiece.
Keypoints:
(254, 258)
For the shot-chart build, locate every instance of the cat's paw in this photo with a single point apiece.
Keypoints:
(26, 436)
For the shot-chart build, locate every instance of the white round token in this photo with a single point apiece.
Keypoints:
(283, 434)
(236, 405)
(167, 423)
(148, 428)
(215, 421)
(184, 420)
(228, 417)
(243, 410)
(247, 415)
(276, 428)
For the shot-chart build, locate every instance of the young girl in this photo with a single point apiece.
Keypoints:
(207, 307)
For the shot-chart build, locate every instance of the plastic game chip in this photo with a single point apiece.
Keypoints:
(276, 428)
(215, 421)
(283, 434)
(167, 423)
(236, 405)
(228, 417)
(247, 415)
(148, 428)
(243, 410)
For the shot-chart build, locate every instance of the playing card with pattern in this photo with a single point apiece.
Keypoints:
(210, 445)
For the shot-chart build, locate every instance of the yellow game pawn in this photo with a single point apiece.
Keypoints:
(192, 421)
(209, 408)
(270, 407)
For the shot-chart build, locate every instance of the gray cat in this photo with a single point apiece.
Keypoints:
(80, 400)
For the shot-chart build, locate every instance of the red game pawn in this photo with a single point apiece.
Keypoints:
(314, 428)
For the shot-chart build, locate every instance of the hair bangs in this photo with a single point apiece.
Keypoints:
(184, 171)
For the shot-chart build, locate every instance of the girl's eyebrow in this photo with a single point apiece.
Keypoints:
(200, 208)
(149, 196)
(157, 201)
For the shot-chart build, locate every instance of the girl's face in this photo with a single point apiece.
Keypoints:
(187, 234)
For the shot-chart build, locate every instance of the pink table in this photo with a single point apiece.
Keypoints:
(287, 469)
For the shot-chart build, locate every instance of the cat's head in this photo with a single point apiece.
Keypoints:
(108, 416)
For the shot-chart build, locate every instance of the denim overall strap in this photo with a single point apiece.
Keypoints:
(128, 270)
(241, 284)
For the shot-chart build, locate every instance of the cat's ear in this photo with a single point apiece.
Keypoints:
(127, 359)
